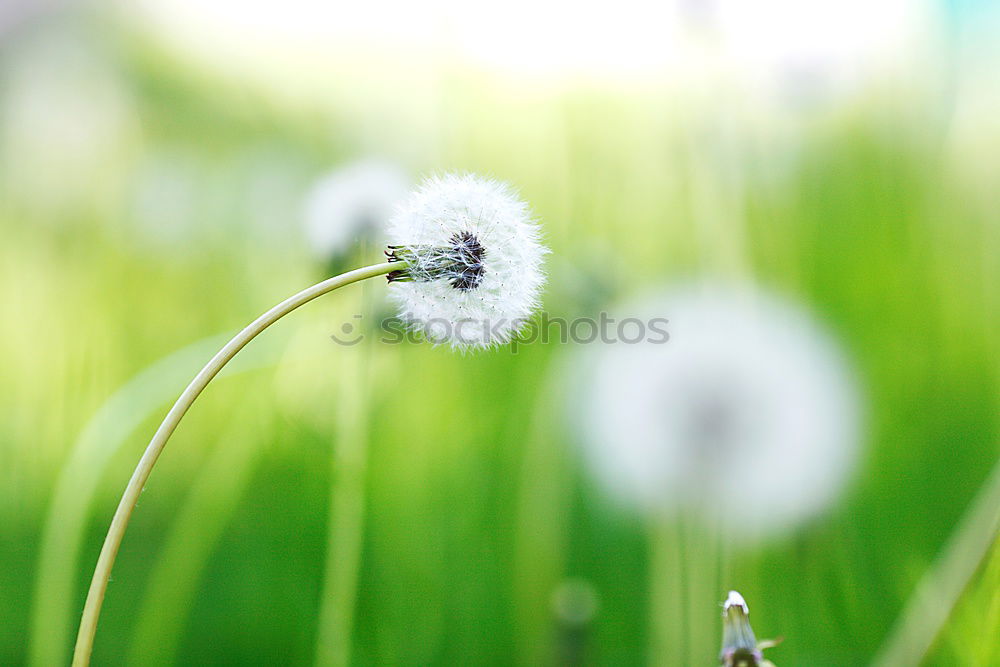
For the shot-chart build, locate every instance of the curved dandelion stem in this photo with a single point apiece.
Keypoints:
(931, 605)
(105, 562)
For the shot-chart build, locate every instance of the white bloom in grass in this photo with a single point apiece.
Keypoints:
(747, 415)
(738, 640)
(352, 203)
(473, 261)
(740, 647)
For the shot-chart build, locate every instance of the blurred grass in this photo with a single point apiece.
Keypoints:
(870, 226)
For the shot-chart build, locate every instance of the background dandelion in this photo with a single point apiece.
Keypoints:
(748, 415)
(735, 418)
(350, 206)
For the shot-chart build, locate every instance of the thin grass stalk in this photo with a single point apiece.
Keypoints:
(702, 587)
(543, 516)
(667, 619)
(934, 600)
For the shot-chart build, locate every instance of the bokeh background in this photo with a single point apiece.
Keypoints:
(155, 162)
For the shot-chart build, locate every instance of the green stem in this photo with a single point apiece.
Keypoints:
(667, 618)
(931, 605)
(543, 514)
(702, 588)
(102, 573)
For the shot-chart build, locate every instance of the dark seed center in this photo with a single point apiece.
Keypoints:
(460, 262)
(468, 266)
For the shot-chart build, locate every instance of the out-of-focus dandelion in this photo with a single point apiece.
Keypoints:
(460, 241)
(351, 204)
(740, 647)
(472, 271)
(747, 415)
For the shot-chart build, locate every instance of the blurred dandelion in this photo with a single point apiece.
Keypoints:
(473, 261)
(349, 205)
(742, 425)
(747, 416)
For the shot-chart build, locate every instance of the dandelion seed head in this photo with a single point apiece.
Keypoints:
(471, 261)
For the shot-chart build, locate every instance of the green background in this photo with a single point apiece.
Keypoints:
(874, 216)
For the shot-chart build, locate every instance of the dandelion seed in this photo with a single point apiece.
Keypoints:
(471, 261)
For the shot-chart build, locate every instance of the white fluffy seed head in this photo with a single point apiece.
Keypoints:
(351, 203)
(747, 415)
(473, 261)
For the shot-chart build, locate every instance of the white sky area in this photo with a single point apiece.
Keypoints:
(544, 37)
